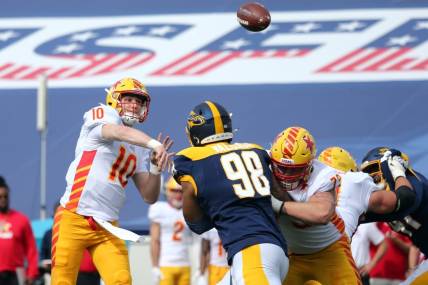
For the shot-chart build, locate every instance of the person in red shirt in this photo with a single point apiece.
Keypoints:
(392, 267)
(17, 242)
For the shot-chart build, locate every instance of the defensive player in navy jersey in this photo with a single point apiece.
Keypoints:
(227, 186)
(412, 217)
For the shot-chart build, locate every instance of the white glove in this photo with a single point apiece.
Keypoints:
(157, 275)
(395, 165)
(386, 156)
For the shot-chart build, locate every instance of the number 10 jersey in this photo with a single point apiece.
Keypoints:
(100, 171)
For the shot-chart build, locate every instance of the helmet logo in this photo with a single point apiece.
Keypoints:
(195, 120)
(309, 143)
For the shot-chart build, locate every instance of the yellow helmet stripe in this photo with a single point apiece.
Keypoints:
(218, 124)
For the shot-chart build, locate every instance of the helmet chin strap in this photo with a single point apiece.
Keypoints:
(129, 119)
(290, 186)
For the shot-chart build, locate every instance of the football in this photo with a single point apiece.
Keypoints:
(253, 16)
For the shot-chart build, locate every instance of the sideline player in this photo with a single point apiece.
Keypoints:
(108, 152)
(227, 186)
(319, 247)
(213, 257)
(170, 238)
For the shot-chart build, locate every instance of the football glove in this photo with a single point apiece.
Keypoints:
(395, 165)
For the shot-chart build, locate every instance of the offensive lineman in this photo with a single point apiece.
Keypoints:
(319, 247)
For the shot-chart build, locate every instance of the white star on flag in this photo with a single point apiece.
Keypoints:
(161, 31)
(67, 48)
(401, 41)
(350, 26)
(305, 28)
(83, 37)
(126, 31)
(422, 25)
(235, 44)
(4, 36)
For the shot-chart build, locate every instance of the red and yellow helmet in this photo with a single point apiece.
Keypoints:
(338, 158)
(292, 153)
(130, 87)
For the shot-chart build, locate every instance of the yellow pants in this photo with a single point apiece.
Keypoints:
(333, 265)
(422, 279)
(171, 275)
(216, 273)
(71, 235)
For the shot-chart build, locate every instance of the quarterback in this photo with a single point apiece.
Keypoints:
(108, 153)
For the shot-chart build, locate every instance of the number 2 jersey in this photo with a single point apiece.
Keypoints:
(175, 236)
(232, 185)
(100, 171)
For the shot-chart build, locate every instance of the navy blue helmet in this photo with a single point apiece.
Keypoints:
(372, 164)
(209, 122)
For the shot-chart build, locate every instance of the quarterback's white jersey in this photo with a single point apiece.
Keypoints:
(217, 252)
(100, 171)
(353, 198)
(175, 236)
(307, 239)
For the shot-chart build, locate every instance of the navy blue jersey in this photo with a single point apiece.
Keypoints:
(419, 236)
(232, 183)
(413, 221)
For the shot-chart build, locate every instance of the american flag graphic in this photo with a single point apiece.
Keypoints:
(90, 52)
(244, 45)
(403, 49)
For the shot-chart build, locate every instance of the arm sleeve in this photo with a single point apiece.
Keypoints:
(143, 160)
(94, 120)
(182, 167)
(30, 250)
(201, 226)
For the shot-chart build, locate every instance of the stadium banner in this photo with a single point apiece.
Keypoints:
(365, 45)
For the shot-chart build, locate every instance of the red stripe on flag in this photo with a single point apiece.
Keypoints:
(5, 66)
(34, 74)
(330, 67)
(399, 65)
(353, 66)
(57, 73)
(164, 69)
(94, 63)
(219, 62)
(421, 66)
(13, 74)
(117, 63)
(144, 60)
(378, 65)
(183, 71)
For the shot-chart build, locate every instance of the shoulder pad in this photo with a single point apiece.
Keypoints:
(102, 115)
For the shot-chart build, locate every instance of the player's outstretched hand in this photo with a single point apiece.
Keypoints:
(395, 165)
(160, 155)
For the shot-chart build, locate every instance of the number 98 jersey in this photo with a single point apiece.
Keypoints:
(232, 185)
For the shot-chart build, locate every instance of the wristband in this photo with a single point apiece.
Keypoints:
(154, 169)
(152, 144)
